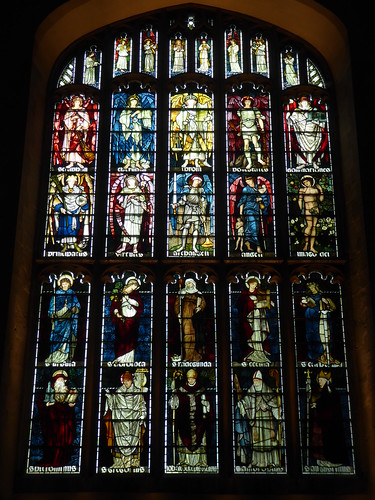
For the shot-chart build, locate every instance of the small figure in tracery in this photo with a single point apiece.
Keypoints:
(259, 49)
(122, 54)
(149, 50)
(234, 52)
(178, 55)
(203, 49)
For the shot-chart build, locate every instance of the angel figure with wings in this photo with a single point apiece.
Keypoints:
(251, 202)
(130, 212)
(190, 211)
(191, 130)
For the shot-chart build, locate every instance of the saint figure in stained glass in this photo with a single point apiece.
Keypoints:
(191, 210)
(251, 215)
(258, 428)
(125, 420)
(319, 310)
(69, 218)
(307, 134)
(191, 130)
(327, 442)
(259, 55)
(133, 130)
(254, 306)
(91, 67)
(234, 52)
(130, 214)
(74, 137)
(122, 59)
(56, 422)
(290, 69)
(192, 422)
(311, 212)
(178, 55)
(127, 321)
(248, 132)
(204, 54)
(63, 310)
(149, 51)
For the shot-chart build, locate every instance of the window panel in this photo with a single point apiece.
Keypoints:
(289, 68)
(234, 51)
(123, 55)
(314, 75)
(126, 370)
(323, 393)
(149, 51)
(59, 376)
(191, 180)
(191, 387)
(257, 411)
(67, 75)
(312, 222)
(251, 206)
(177, 55)
(204, 55)
(259, 55)
(92, 67)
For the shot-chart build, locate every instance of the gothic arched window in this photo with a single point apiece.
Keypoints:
(191, 238)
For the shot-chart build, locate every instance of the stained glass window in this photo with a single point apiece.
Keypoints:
(59, 376)
(211, 177)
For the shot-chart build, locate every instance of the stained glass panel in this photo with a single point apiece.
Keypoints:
(259, 55)
(323, 393)
(126, 372)
(234, 51)
(70, 206)
(59, 376)
(177, 55)
(314, 76)
(258, 414)
(191, 180)
(191, 387)
(123, 52)
(289, 68)
(131, 201)
(92, 67)
(204, 55)
(67, 75)
(149, 51)
(251, 204)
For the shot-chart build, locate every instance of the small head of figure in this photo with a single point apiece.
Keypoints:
(252, 283)
(247, 101)
(59, 379)
(323, 378)
(65, 281)
(258, 380)
(191, 377)
(307, 181)
(127, 379)
(312, 287)
(131, 284)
